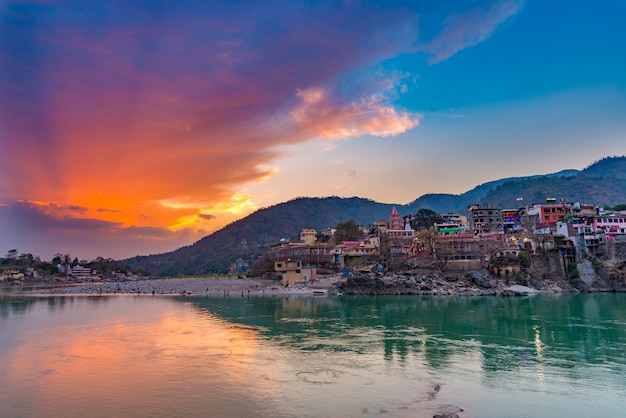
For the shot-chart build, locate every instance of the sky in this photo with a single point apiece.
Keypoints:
(137, 127)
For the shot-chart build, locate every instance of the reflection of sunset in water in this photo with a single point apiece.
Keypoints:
(139, 362)
(316, 357)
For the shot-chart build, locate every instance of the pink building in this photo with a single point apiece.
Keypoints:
(612, 225)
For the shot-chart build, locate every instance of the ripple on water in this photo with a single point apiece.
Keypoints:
(320, 377)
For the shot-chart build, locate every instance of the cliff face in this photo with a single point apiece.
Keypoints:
(611, 267)
(431, 282)
(545, 274)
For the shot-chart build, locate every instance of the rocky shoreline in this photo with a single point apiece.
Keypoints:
(473, 283)
(410, 282)
(220, 286)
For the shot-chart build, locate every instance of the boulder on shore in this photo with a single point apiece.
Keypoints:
(519, 290)
(483, 279)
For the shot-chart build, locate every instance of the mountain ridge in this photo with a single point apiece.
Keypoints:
(248, 238)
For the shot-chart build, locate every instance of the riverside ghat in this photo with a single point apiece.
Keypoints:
(412, 282)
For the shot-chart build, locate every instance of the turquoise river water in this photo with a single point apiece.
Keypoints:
(147, 356)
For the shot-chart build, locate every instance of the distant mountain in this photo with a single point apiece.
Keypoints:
(604, 182)
(459, 203)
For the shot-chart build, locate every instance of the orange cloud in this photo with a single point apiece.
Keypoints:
(320, 117)
(154, 118)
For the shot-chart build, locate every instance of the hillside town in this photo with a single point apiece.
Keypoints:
(529, 245)
(18, 268)
(502, 241)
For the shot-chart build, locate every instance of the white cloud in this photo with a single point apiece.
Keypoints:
(469, 28)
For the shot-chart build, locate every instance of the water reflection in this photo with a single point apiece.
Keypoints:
(557, 345)
(343, 356)
(138, 359)
(509, 332)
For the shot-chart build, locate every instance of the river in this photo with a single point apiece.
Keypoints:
(409, 356)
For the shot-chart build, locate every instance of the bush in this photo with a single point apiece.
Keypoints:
(524, 259)
(522, 278)
(573, 270)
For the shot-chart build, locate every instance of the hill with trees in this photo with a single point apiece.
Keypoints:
(237, 245)
(602, 183)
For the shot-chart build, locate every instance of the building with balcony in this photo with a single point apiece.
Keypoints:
(484, 219)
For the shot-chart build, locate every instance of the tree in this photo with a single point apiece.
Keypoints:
(26, 260)
(524, 259)
(262, 265)
(348, 231)
(425, 219)
(424, 240)
(321, 238)
(443, 251)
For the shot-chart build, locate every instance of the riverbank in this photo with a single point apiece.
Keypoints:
(410, 282)
(219, 286)
(472, 283)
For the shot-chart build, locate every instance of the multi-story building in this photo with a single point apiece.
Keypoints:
(81, 272)
(308, 236)
(593, 230)
(360, 248)
(293, 271)
(447, 228)
(467, 251)
(400, 236)
(551, 213)
(320, 255)
(454, 218)
(585, 209)
(511, 220)
(614, 224)
(484, 220)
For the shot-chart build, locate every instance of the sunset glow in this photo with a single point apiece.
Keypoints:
(133, 128)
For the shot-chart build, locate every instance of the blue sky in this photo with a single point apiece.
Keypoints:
(137, 127)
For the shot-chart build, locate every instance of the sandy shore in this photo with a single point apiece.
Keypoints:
(222, 286)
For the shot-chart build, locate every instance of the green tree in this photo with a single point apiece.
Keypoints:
(348, 231)
(425, 219)
(524, 259)
(321, 238)
(26, 260)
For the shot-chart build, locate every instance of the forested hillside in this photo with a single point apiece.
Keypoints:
(604, 182)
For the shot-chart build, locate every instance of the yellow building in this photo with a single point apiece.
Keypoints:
(293, 272)
(308, 236)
